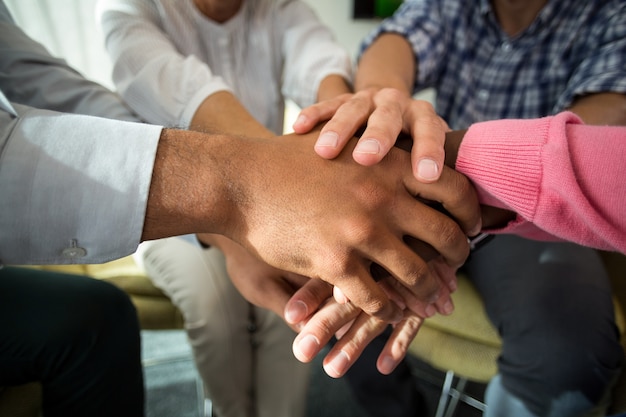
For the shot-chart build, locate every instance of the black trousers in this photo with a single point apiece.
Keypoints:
(551, 303)
(76, 335)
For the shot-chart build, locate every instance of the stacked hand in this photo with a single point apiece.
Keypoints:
(385, 113)
(320, 309)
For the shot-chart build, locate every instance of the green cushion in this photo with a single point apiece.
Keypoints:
(464, 342)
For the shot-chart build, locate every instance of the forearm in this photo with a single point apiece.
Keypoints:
(601, 109)
(332, 86)
(222, 112)
(388, 62)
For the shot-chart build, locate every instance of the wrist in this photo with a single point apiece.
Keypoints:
(451, 147)
(188, 191)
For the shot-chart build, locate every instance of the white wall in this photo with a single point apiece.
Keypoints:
(337, 14)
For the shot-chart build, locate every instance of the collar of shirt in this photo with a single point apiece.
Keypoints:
(548, 14)
(226, 27)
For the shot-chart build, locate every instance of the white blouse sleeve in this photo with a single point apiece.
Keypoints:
(311, 52)
(159, 83)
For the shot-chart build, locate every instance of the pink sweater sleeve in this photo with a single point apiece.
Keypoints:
(564, 179)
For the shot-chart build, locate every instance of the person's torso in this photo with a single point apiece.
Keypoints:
(487, 75)
(246, 51)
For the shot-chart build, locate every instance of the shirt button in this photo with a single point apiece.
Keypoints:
(223, 41)
(74, 251)
(483, 95)
(506, 46)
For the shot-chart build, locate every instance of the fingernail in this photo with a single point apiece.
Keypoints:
(368, 146)
(339, 296)
(448, 307)
(296, 312)
(427, 169)
(477, 229)
(452, 285)
(387, 365)
(309, 346)
(430, 310)
(338, 364)
(327, 140)
(301, 119)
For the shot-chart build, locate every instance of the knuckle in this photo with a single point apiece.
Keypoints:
(423, 106)
(324, 326)
(360, 105)
(450, 235)
(389, 113)
(334, 263)
(376, 307)
(416, 274)
(426, 114)
(429, 290)
(359, 231)
(391, 94)
(463, 187)
(421, 282)
(312, 112)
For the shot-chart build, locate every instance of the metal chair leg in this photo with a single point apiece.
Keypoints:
(451, 395)
(445, 393)
(456, 394)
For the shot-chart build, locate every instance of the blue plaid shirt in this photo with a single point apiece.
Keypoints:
(573, 48)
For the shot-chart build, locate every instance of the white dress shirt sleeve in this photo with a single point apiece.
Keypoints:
(74, 188)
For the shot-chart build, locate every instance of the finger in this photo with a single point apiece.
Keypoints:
(434, 228)
(421, 308)
(458, 197)
(347, 270)
(443, 304)
(343, 125)
(359, 287)
(446, 273)
(393, 295)
(407, 267)
(348, 349)
(275, 290)
(389, 290)
(312, 115)
(438, 268)
(319, 329)
(398, 343)
(339, 296)
(306, 300)
(344, 329)
(383, 127)
(429, 134)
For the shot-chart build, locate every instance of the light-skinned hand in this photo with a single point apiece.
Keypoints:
(385, 113)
